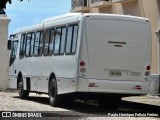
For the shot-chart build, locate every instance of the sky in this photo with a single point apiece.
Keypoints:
(23, 14)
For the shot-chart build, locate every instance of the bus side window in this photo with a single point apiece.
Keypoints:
(28, 44)
(41, 44)
(63, 40)
(69, 39)
(57, 41)
(46, 42)
(14, 46)
(71, 43)
(22, 45)
(32, 44)
(74, 41)
(52, 37)
(38, 43)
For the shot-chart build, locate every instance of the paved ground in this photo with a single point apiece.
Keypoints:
(150, 100)
(9, 101)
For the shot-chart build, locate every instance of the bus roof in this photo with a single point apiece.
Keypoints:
(62, 16)
(73, 17)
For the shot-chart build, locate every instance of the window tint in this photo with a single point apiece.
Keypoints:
(69, 39)
(22, 45)
(74, 42)
(32, 44)
(38, 44)
(52, 37)
(57, 41)
(14, 47)
(63, 39)
(41, 44)
(71, 43)
(28, 44)
(46, 42)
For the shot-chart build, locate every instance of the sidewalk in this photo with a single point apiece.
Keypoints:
(150, 100)
(147, 99)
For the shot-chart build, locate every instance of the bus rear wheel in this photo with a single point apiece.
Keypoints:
(54, 99)
(23, 94)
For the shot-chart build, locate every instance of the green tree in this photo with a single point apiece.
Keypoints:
(3, 5)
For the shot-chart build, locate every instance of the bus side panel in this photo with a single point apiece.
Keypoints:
(66, 85)
(82, 82)
(12, 82)
(62, 66)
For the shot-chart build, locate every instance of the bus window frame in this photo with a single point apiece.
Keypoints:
(22, 49)
(41, 34)
(12, 47)
(76, 38)
(56, 54)
(30, 55)
(64, 40)
(48, 54)
(72, 24)
(52, 51)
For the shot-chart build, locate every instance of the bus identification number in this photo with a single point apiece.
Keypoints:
(115, 73)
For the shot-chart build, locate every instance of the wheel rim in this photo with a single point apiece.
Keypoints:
(20, 88)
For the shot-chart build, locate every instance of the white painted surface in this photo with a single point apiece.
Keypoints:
(100, 56)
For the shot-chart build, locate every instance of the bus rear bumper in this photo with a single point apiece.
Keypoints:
(117, 86)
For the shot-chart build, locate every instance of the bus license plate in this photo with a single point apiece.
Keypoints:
(115, 73)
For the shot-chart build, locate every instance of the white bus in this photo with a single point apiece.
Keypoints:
(82, 55)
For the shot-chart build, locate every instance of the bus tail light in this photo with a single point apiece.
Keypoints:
(82, 63)
(82, 66)
(148, 67)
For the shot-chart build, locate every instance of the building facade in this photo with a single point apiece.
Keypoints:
(143, 8)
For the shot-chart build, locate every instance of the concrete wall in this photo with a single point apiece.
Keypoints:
(151, 11)
(131, 8)
(4, 53)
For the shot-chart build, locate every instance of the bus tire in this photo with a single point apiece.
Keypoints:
(54, 99)
(23, 94)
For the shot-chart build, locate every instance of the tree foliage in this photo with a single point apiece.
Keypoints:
(3, 5)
